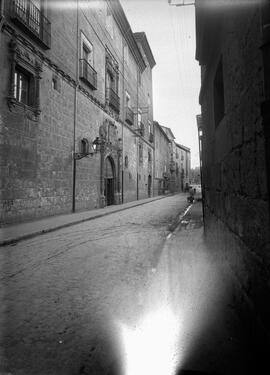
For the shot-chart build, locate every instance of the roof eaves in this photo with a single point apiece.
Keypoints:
(125, 28)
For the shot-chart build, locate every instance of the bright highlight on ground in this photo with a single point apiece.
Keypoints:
(151, 347)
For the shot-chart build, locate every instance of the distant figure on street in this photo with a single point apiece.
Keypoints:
(192, 192)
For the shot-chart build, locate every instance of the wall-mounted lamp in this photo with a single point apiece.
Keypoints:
(87, 149)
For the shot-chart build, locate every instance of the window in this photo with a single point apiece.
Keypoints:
(149, 127)
(87, 72)
(56, 83)
(139, 77)
(86, 50)
(219, 94)
(139, 117)
(22, 86)
(126, 161)
(109, 22)
(84, 146)
(127, 100)
(140, 153)
(29, 14)
(149, 157)
(126, 54)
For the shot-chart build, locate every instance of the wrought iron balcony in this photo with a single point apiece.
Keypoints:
(113, 100)
(151, 137)
(88, 74)
(31, 20)
(129, 116)
(142, 129)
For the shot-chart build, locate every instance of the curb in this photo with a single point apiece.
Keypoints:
(14, 240)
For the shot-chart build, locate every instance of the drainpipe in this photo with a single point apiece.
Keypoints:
(137, 146)
(123, 97)
(75, 117)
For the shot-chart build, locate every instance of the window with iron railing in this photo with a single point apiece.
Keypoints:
(29, 15)
(142, 129)
(113, 99)
(88, 74)
(129, 117)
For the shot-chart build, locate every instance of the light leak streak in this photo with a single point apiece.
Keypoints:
(230, 3)
(151, 347)
(72, 5)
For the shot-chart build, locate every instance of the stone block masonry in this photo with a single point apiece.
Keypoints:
(61, 106)
(234, 154)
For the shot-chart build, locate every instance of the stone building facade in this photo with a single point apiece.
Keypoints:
(162, 160)
(76, 108)
(172, 162)
(233, 51)
(182, 167)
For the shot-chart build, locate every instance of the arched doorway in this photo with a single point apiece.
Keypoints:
(149, 185)
(109, 181)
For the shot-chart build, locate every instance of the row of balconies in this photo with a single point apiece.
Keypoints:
(33, 22)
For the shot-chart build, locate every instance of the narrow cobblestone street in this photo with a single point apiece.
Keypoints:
(76, 300)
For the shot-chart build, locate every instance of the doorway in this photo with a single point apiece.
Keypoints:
(149, 185)
(109, 181)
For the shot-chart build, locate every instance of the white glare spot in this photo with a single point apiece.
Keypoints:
(150, 348)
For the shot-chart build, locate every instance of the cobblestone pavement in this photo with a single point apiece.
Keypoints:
(116, 292)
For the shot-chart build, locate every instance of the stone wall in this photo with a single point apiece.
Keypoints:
(37, 166)
(234, 158)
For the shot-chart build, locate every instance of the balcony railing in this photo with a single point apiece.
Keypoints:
(88, 74)
(142, 129)
(129, 116)
(113, 100)
(31, 19)
(151, 137)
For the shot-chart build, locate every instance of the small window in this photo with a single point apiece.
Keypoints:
(219, 94)
(126, 54)
(87, 50)
(84, 146)
(139, 117)
(149, 127)
(127, 100)
(54, 83)
(22, 83)
(126, 161)
(109, 22)
(140, 153)
(139, 77)
(149, 157)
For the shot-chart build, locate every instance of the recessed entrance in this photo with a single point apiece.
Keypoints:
(109, 181)
(149, 185)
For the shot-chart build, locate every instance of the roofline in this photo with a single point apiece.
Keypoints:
(183, 147)
(169, 130)
(156, 123)
(122, 21)
(141, 37)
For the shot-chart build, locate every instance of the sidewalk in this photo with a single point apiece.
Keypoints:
(17, 232)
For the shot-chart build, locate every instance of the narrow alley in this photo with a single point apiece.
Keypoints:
(135, 289)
